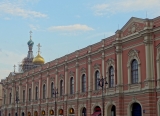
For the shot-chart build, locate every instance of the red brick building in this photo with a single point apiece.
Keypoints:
(130, 61)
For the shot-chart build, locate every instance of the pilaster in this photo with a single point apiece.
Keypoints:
(77, 78)
(118, 46)
(66, 81)
(89, 76)
(149, 52)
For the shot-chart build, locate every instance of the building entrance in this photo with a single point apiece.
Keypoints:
(136, 109)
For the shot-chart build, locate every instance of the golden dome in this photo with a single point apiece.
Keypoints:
(38, 59)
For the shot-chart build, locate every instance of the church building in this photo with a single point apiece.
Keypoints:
(118, 76)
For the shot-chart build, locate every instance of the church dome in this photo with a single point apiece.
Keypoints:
(30, 42)
(38, 60)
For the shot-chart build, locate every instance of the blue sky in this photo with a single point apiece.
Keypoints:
(62, 26)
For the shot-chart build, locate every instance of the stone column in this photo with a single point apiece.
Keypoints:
(6, 94)
(47, 87)
(56, 81)
(89, 76)
(103, 56)
(149, 60)
(66, 81)
(119, 61)
(13, 92)
(40, 89)
(20, 92)
(26, 92)
(77, 79)
(33, 93)
(158, 66)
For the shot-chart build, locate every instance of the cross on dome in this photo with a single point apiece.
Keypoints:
(30, 34)
(39, 47)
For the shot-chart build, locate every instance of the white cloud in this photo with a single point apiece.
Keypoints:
(16, 10)
(7, 18)
(126, 6)
(75, 27)
(7, 60)
(34, 27)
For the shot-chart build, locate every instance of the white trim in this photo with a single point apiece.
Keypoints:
(69, 83)
(108, 108)
(80, 89)
(133, 54)
(129, 108)
(158, 107)
(110, 62)
(94, 78)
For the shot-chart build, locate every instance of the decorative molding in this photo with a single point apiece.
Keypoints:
(71, 73)
(133, 54)
(52, 79)
(61, 76)
(134, 99)
(83, 70)
(97, 66)
(29, 85)
(36, 83)
(110, 62)
(44, 81)
(89, 48)
(133, 28)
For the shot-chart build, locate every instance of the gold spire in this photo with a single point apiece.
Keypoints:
(38, 59)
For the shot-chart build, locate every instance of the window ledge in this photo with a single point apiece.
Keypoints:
(134, 87)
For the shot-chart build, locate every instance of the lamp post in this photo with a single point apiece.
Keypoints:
(55, 92)
(102, 81)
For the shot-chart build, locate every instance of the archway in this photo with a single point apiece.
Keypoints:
(16, 114)
(51, 112)
(71, 111)
(136, 109)
(113, 110)
(97, 111)
(35, 113)
(22, 113)
(84, 112)
(29, 114)
(9, 114)
(43, 112)
(61, 112)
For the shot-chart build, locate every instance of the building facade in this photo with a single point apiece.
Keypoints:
(69, 86)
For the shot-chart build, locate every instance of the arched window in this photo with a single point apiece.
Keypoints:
(29, 94)
(111, 77)
(83, 83)
(61, 87)
(52, 88)
(71, 85)
(44, 91)
(36, 95)
(96, 80)
(23, 95)
(10, 97)
(134, 72)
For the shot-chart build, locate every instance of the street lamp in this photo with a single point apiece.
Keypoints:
(102, 81)
(55, 92)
